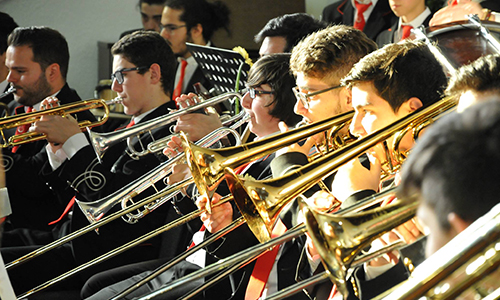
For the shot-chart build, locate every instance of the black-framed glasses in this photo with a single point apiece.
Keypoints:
(304, 97)
(254, 93)
(170, 27)
(118, 75)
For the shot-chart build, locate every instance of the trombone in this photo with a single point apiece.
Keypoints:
(232, 161)
(70, 108)
(464, 261)
(399, 212)
(96, 209)
(102, 141)
(260, 202)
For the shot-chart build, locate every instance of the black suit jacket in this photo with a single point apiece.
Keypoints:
(387, 36)
(33, 203)
(116, 171)
(342, 12)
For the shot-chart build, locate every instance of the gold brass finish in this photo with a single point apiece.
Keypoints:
(29, 118)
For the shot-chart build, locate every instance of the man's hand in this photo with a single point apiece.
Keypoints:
(195, 125)
(305, 148)
(321, 201)
(57, 128)
(221, 216)
(457, 12)
(353, 177)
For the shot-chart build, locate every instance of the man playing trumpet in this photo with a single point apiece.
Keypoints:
(38, 59)
(142, 76)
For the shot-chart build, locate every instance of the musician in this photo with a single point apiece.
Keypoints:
(151, 11)
(319, 62)
(193, 21)
(372, 17)
(279, 35)
(282, 33)
(476, 81)
(455, 161)
(386, 85)
(7, 25)
(142, 74)
(459, 9)
(37, 58)
(411, 14)
(268, 103)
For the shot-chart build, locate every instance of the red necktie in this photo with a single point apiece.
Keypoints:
(22, 129)
(263, 267)
(178, 88)
(360, 19)
(66, 210)
(132, 123)
(406, 29)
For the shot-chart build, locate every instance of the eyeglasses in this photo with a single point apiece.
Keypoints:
(170, 27)
(304, 97)
(118, 75)
(254, 93)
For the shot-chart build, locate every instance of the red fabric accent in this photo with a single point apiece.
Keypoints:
(192, 243)
(263, 267)
(333, 292)
(178, 88)
(132, 123)
(340, 6)
(452, 2)
(22, 129)
(66, 210)
(360, 19)
(406, 29)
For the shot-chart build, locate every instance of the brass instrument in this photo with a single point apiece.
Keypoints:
(239, 259)
(467, 259)
(29, 118)
(102, 141)
(11, 90)
(261, 201)
(96, 209)
(207, 165)
(284, 139)
(339, 240)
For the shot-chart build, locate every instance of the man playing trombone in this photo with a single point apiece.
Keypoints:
(267, 102)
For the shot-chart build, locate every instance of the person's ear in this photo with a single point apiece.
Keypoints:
(155, 73)
(457, 224)
(414, 103)
(197, 34)
(346, 97)
(53, 72)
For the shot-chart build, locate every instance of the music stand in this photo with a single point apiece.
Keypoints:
(220, 66)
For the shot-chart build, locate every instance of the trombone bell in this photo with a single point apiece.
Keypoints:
(339, 240)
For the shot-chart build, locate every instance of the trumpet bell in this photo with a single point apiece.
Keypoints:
(339, 239)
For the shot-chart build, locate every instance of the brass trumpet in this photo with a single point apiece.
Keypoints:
(29, 118)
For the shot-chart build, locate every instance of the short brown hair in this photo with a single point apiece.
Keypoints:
(482, 75)
(399, 72)
(330, 52)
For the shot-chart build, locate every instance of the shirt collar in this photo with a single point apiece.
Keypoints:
(418, 20)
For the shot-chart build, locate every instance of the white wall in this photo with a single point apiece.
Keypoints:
(85, 22)
(315, 7)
